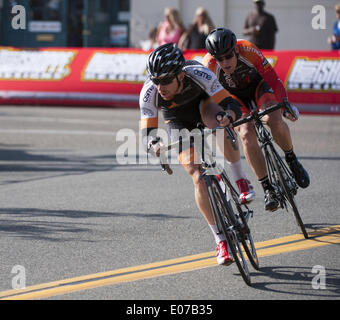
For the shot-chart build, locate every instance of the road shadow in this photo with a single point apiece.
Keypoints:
(42, 164)
(62, 225)
(302, 281)
(299, 281)
(317, 226)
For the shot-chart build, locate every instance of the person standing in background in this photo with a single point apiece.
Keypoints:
(151, 42)
(334, 40)
(261, 27)
(198, 31)
(171, 29)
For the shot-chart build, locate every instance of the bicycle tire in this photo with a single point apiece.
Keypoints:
(287, 192)
(224, 223)
(244, 230)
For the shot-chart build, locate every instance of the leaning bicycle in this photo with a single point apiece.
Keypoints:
(230, 216)
(279, 174)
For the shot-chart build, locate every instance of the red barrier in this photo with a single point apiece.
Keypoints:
(114, 76)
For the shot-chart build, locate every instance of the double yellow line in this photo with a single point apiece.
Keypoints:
(320, 237)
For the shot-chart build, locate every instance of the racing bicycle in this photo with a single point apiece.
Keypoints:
(279, 173)
(230, 216)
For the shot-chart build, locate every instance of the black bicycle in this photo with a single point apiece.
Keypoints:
(230, 216)
(279, 174)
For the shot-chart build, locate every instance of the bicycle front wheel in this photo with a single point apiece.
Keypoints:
(225, 223)
(242, 224)
(287, 193)
(249, 248)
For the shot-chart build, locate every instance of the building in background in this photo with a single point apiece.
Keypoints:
(125, 23)
(71, 23)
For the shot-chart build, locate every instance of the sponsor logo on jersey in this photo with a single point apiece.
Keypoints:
(215, 86)
(252, 49)
(146, 112)
(272, 61)
(202, 74)
(229, 80)
(265, 64)
(147, 95)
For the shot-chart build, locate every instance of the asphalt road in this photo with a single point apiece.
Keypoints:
(69, 207)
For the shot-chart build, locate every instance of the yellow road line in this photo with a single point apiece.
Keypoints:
(320, 237)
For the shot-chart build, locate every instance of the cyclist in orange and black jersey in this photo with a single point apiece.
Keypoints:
(247, 75)
(188, 93)
(183, 112)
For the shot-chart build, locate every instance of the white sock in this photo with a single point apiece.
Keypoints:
(236, 169)
(218, 237)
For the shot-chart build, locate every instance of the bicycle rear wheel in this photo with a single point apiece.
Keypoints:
(287, 193)
(225, 224)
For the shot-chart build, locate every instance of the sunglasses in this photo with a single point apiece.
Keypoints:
(227, 56)
(162, 81)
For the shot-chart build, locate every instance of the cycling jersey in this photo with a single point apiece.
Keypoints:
(183, 111)
(252, 67)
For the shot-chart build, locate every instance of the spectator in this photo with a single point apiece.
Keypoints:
(261, 27)
(171, 29)
(150, 43)
(195, 37)
(334, 40)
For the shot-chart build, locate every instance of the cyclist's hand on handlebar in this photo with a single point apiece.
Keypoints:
(296, 113)
(224, 118)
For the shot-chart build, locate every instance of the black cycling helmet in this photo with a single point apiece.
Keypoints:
(167, 60)
(220, 41)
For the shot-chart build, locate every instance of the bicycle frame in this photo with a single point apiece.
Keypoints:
(208, 159)
(265, 139)
(279, 174)
(232, 224)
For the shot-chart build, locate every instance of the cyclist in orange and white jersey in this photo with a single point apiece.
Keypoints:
(187, 94)
(243, 70)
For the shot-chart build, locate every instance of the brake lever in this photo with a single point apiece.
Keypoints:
(288, 109)
(231, 136)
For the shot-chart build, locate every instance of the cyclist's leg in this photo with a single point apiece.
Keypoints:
(255, 158)
(232, 156)
(281, 133)
(187, 159)
(251, 148)
(265, 98)
(192, 164)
